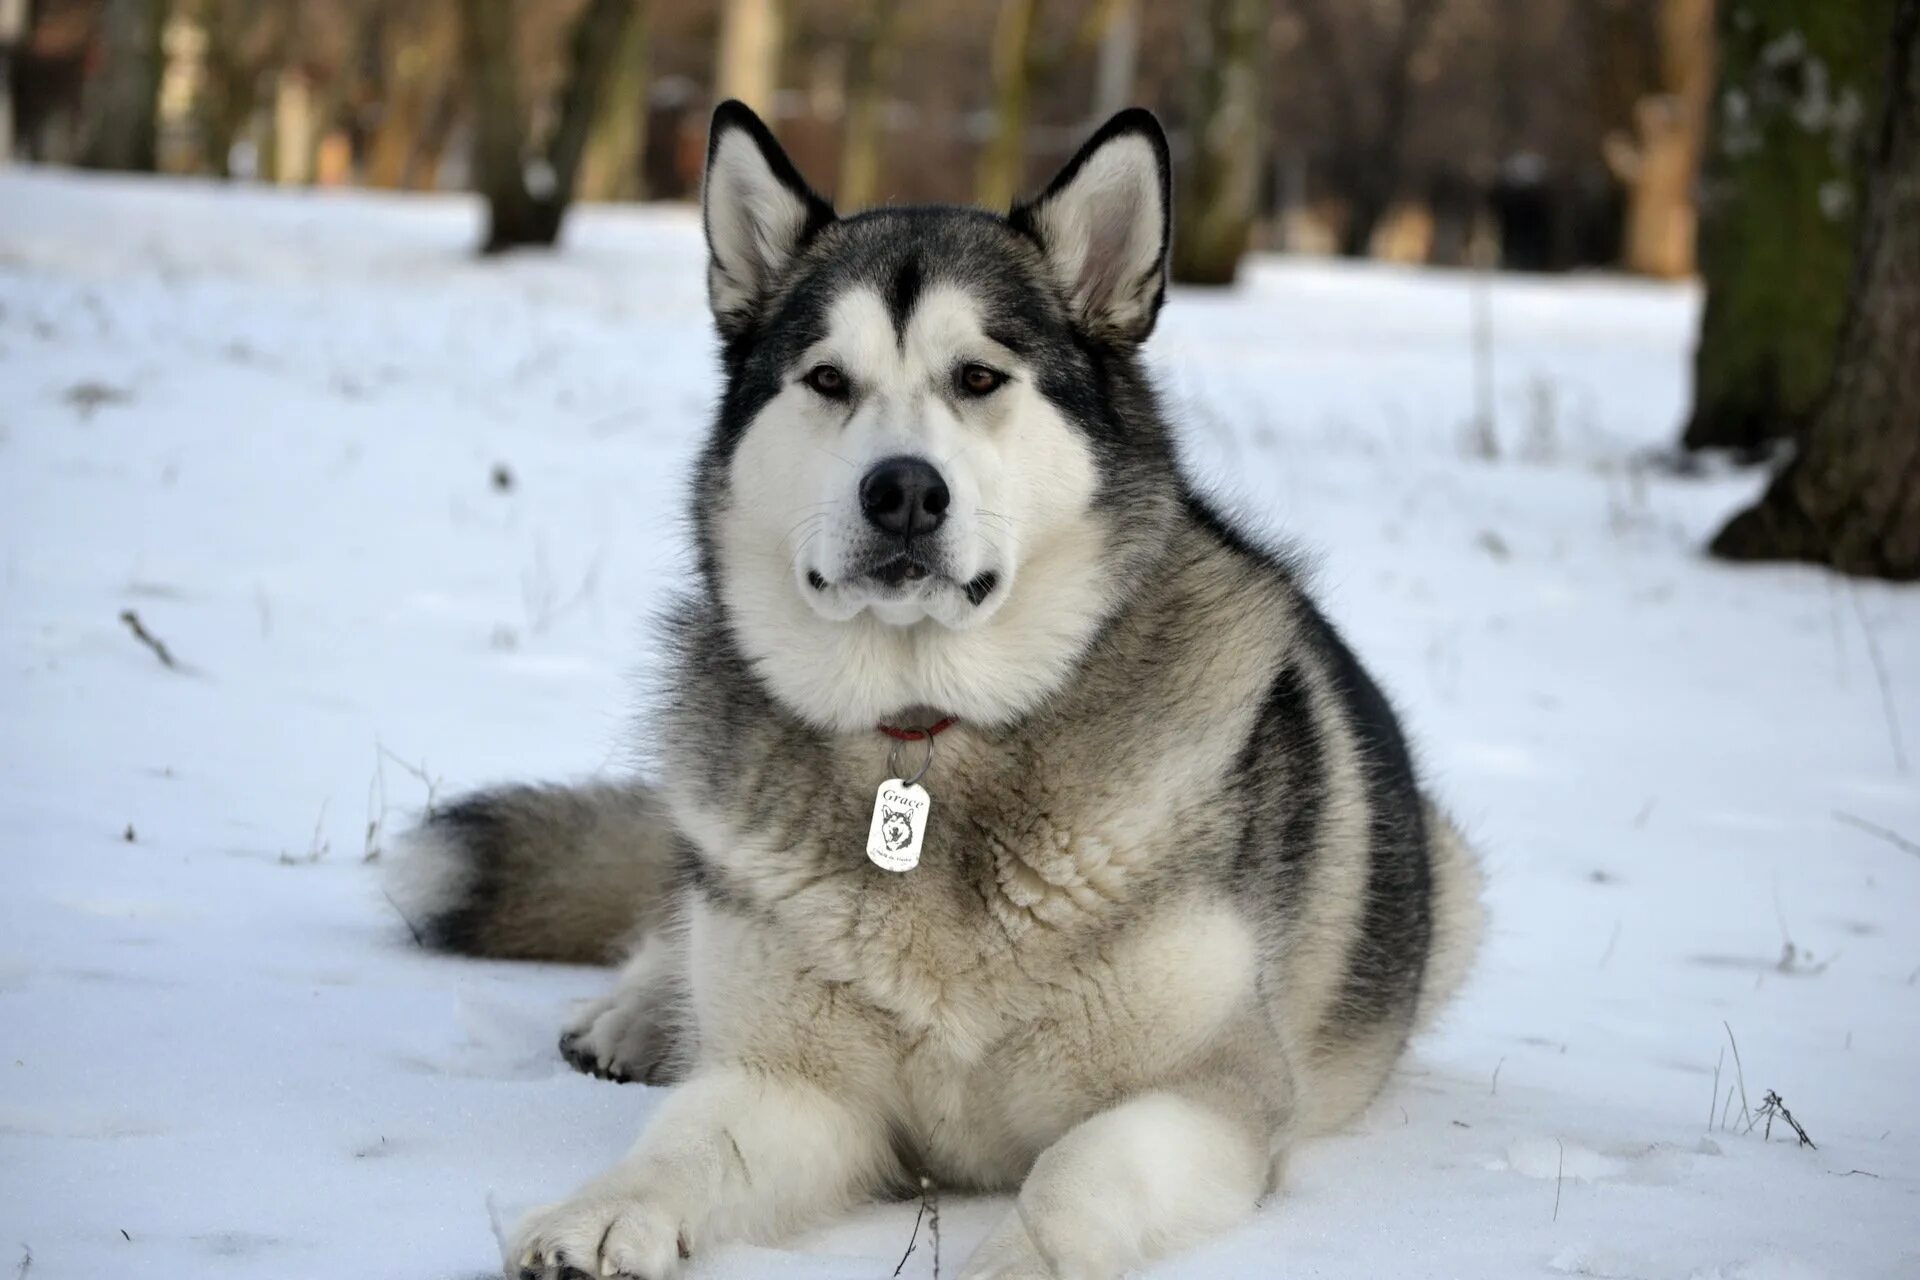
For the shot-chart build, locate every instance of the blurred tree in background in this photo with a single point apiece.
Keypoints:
(529, 183)
(1532, 133)
(1785, 182)
(1850, 496)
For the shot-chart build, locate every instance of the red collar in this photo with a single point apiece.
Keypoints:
(914, 735)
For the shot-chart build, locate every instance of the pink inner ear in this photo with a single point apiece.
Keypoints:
(1109, 233)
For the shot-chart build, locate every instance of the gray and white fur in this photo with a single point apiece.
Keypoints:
(1181, 900)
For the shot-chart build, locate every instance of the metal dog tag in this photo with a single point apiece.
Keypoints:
(899, 824)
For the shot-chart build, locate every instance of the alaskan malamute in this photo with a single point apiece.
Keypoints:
(1153, 893)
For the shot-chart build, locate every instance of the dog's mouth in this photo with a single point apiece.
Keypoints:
(897, 573)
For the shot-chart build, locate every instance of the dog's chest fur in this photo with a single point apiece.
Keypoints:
(1051, 947)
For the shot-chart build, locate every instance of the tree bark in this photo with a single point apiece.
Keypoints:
(869, 68)
(526, 202)
(1785, 182)
(1222, 179)
(1851, 497)
(1016, 56)
(122, 99)
(1118, 64)
(616, 151)
(752, 35)
(1660, 165)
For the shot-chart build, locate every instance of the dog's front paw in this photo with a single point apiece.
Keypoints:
(598, 1234)
(1008, 1254)
(623, 1038)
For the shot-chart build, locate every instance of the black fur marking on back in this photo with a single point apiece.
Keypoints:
(1277, 843)
(1389, 953)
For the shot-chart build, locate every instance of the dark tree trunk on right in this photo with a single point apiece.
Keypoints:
(1851, 496)
(1784, 183)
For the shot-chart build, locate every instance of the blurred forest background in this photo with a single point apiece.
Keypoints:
(1736, 141)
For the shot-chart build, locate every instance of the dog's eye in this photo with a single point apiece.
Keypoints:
(979, 380)
(828, 381)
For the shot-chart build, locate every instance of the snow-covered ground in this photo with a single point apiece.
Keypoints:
(270, 426)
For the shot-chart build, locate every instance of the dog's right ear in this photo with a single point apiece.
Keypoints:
(758, 212)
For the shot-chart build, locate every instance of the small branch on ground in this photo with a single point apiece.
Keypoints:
(1493, 1089)
(148, 639)
(318, 846)
(1894, 737)
(414, 929)
(419, 771)
(1715, 1095)
(376, 809)
(1559, 1177)
(26, 1262)
(912, 1240)
(1740, 1075)
(1774, 1105)
(1891, 836)
(932, 1195)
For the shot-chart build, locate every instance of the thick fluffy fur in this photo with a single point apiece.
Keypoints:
(1181, 900)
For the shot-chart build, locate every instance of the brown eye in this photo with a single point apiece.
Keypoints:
(978, 380)
(827, 381)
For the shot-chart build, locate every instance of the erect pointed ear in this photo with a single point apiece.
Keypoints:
(758, 212)
(1105, 223)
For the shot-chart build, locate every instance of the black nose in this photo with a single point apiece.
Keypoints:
(904, 497)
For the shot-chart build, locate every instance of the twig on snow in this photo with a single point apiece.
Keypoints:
(1740, 1075)
(1774, 1105)
(419, 771)
(1559, 1177)
(1715, 1095)
(412, 928)
(1891, 836)
(26, 1262)
(912, 1240)
(1886, 684)
(148, 639)
(318, 846)
(1493, 1089)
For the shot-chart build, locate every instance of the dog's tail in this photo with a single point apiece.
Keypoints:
(1459, 916)
(538, 873)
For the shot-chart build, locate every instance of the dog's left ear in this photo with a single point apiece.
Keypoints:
(758, 213)
(1105, 224)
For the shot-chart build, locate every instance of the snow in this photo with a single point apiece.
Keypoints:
(268, 423)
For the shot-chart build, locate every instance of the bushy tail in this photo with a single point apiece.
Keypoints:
(538, 872)
(1459, 917)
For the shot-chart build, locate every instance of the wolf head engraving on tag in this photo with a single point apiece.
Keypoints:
(899, 825)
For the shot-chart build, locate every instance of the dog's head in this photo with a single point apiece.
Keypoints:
(936, 461)
(896, 827)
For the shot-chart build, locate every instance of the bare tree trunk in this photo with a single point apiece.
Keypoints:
(869, 69)
(236, 33)
(1785, 182)
(1375, 154)
(415, 55)
(1119, 57)
(1851, 497)
(527, 201)
(122, 99)
(1222, 179)
(616, 150)
(1003, 165)
(752, 36)
(1661, 164)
